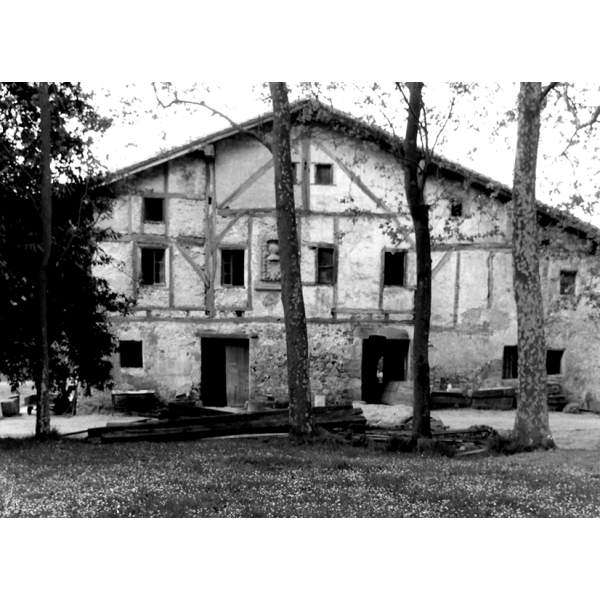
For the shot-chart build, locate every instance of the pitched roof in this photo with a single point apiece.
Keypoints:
(315, 112)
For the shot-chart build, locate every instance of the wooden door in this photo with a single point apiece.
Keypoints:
(236, 373)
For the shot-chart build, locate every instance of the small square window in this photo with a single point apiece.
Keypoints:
(130, 354)
(232, 267)
(154, 210)
(153, 266)
(326, 266)
(393, 268)
(323, 174)
(510, 362)
(567, 283)
(553, 361)
(456, 209)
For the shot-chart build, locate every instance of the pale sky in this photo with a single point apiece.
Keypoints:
(142, 128)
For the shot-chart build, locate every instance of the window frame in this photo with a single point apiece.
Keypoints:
(139, 346)
(232, 249)
(562, 290)
(385, 252)
(319, 267)
(153, 249)
(316, 170)
(456, 209)
(152, 199)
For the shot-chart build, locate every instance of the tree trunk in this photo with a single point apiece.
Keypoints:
(291, 284)
(414, 184)
(42, 424)
(531, 429)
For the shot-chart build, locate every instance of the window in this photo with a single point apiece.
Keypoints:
(130, 354)
(323, 174)
(154, 210)
(296, 173)
(510, 362)
(553, 361)
(153, 266)
(456, 209)
(567, 283)
(232, 267)
(326, 266)
(393, 268)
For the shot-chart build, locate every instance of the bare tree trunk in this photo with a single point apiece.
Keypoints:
(291, 283)
(531, 429)
(414, 184)
(42, 424)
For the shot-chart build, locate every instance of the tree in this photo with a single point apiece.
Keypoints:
(414, 184)
(77, 304)
(531, 429)
(291, 283)
(42, 421)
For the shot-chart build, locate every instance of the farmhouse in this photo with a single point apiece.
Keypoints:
(198, 251)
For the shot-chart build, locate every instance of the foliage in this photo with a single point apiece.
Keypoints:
(80, 339)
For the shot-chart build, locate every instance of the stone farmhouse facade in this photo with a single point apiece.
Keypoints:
(198, 250)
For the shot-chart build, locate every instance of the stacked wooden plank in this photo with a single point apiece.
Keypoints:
(136, 401)
(334, 418)
(499, 398)
(441, 399)
(10, 407)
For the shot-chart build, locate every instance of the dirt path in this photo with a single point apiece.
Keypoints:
(572, 432)
(24, 425)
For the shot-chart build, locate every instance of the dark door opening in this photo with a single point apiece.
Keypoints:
(383, 361)
(224, 371)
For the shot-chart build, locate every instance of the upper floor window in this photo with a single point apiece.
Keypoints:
(271, 261)
(154, 210)
(326, 266)
(394, 264)
(567, 283)
(232, 267)
(323, 174)
(510, 362)
(153, 266)
(553, 361)
(456, 209)
(130, 354)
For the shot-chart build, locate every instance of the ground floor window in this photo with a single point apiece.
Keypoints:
(153, 266)
(130, 354)
(553, 361)
(510, 362)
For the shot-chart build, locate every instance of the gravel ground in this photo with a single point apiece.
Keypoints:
(24, 425)
(571, 432)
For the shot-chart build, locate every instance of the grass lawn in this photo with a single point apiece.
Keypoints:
(268, 477)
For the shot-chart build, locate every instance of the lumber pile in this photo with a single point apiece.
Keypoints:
(331, 418)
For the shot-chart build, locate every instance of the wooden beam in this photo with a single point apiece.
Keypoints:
(197, 268)
(219, 238)
(440, 263)
(245, 185)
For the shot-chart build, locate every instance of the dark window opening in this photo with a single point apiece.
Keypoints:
(154, 210)
(510, 362)
(130, 354)
(554, 361)
(232, 267)
(296, 173)
(326, 266)
(323, 174)
(393, 268)
(567, 283)
(456, 209)
(153, 266)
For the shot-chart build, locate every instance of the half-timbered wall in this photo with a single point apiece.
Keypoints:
(223, 199)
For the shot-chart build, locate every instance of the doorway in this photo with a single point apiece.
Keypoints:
(383, 361)
(224, 372)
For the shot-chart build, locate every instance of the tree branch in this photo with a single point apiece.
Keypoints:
(177, 100)
(547, 90)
